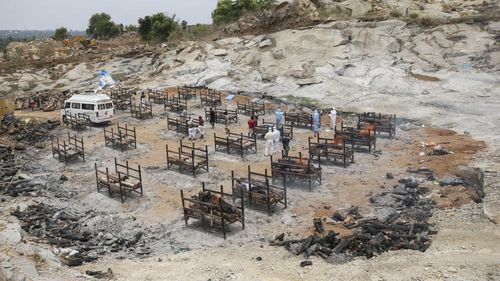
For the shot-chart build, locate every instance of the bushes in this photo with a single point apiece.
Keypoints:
(60, 34)
(395, 13)
(157, 27)
(101, 26)
(231, 10)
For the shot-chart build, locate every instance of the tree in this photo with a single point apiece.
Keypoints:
(60, 34)
(231, 10)
(184, 25)
(101, 26)
(157, 27)
(131, 28)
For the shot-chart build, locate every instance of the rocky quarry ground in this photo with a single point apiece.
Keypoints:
(442, 82)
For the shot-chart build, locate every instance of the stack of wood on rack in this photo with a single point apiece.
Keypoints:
(142, 110)
(210, 207)
(292, 168)
(158, 96)
(300, 119)
(124, 180)
(68, 150)
(188, 158)
(77, 122)
(252, 108)
(189, 91)
(121, 97)
(181, 125)
(175, 104)
(384, 123)
(258, 191)
(327, 150)
(364, 136)
(211, 97)
(237, 144)
(123, 137)
(223, 115)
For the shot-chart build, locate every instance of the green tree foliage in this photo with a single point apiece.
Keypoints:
(60, 34)
(101, 26)
(157, 27)
(184, 25)
(231, 10)
(130, 28)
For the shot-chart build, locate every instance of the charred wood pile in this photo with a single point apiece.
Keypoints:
(257, 190)
(212, 209)
(188, 158)
(27, 131)
(11, 182)
(66, 230)
(402, 224)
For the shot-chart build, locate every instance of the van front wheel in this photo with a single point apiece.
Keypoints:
(64, 119)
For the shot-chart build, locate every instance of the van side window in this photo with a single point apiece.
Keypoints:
(100, 106)
(75, 105)
(67, 105)
(87, 106)
(109, 105)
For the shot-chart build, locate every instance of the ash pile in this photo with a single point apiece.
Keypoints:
(78, 236)
(400, 222)
(27, 131)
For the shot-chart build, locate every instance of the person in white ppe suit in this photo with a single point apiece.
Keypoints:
(269, 136)
(276, 139)
(333, 118)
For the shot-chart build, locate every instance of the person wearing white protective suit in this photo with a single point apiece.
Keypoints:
(191, 130)
(276, 139)
(269, 137)
(333, 118)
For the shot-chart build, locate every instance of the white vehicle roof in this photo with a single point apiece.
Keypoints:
(95, 98)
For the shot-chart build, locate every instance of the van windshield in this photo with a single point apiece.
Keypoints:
(109, 105)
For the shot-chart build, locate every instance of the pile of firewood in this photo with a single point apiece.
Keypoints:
(10, 165)
(404, 227)
(61, 228)
(48, 101)
(214, 204)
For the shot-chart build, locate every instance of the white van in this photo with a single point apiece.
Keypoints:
(98, 107)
